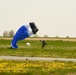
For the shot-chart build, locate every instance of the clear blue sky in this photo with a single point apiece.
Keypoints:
(52, 17)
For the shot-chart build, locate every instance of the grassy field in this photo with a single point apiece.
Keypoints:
(64, 49)
(56, 48)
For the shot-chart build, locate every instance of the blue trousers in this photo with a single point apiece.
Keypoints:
(21, 34)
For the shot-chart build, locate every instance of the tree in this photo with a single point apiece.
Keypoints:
(67, 36)
(35, 35)
(45, 35)
(57, 36)
(11, 33)
(5, 34)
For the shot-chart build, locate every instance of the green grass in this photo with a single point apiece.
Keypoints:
(55, 49)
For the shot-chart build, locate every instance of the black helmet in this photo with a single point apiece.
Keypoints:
(33, 27)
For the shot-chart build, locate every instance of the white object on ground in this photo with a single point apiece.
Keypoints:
(28, 44)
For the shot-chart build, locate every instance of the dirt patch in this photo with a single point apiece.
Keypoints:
(63, 39)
